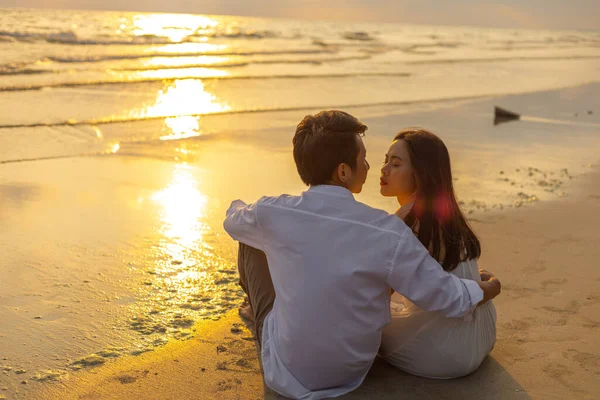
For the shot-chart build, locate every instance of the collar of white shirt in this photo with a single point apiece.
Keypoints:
(331, 190)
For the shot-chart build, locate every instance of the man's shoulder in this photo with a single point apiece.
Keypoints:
(282, 199)
(379, 219)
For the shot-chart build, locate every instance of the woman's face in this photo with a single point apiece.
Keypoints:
(397, 177)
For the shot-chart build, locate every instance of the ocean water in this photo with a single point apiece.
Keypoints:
(123, 136)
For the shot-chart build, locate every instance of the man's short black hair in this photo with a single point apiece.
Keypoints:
(323, 141)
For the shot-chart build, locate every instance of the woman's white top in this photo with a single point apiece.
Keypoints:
(430, 345)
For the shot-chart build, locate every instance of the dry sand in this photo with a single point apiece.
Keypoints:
(548, 325)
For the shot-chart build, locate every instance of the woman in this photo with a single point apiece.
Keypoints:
(417, 172)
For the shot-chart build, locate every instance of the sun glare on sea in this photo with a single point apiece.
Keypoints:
(182, 127)
(173, 26)
(184, 98)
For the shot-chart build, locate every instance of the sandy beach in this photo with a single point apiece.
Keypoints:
(548, 323)
(125, 136)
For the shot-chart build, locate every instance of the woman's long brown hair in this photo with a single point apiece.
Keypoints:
(435, 216)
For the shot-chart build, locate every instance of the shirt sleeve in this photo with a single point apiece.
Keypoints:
(241, 223)
(420, 278)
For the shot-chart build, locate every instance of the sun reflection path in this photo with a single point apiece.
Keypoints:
(185, 97)
(183, 206)
(182, 127)
(186, 276)
(179, 104)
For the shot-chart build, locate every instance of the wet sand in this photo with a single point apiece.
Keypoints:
(548, 324)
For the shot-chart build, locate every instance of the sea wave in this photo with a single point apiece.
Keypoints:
(359, 35)
(202, 77)
(238, 33)
(500, 59)
(314, 61)
(136, 56)
(130, 119)
(22, 69)
(71, 38)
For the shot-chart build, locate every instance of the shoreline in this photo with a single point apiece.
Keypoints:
(547, 322)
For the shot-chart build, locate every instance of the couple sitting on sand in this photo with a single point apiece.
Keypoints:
(332, 282)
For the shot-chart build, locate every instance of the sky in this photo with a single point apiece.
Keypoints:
(527, 14)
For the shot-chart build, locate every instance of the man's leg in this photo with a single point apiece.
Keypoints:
(255, 280)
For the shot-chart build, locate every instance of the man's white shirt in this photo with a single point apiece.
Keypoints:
(332, 260)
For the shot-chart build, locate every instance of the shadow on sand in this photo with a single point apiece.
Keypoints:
(490, 382)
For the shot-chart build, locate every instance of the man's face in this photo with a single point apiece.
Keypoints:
(358, 175)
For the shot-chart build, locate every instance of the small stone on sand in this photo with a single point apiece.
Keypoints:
(221, 349)
(236, 330)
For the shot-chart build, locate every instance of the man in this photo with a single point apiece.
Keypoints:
(318, 267)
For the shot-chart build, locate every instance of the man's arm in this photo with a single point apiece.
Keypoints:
(420, 278)
(241, 223)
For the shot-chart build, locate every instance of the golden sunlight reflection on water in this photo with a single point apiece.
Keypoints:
(174, 26)
(180, 100)
(182, 208)
(182, 127)
(187, 277)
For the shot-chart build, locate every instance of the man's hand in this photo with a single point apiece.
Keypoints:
(490, 285)
(485, 275)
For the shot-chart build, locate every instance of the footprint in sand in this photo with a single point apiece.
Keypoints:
(239, 355)
(555, 281)
(536, 268)
(572, 310)
(548, 287)
(518, 292)
(563, 239)
(228, 384)
(126, 379)
(592, 299)
(518, 324)
(587, 361)
(560, 373)
(518, 329)
(590, 323)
